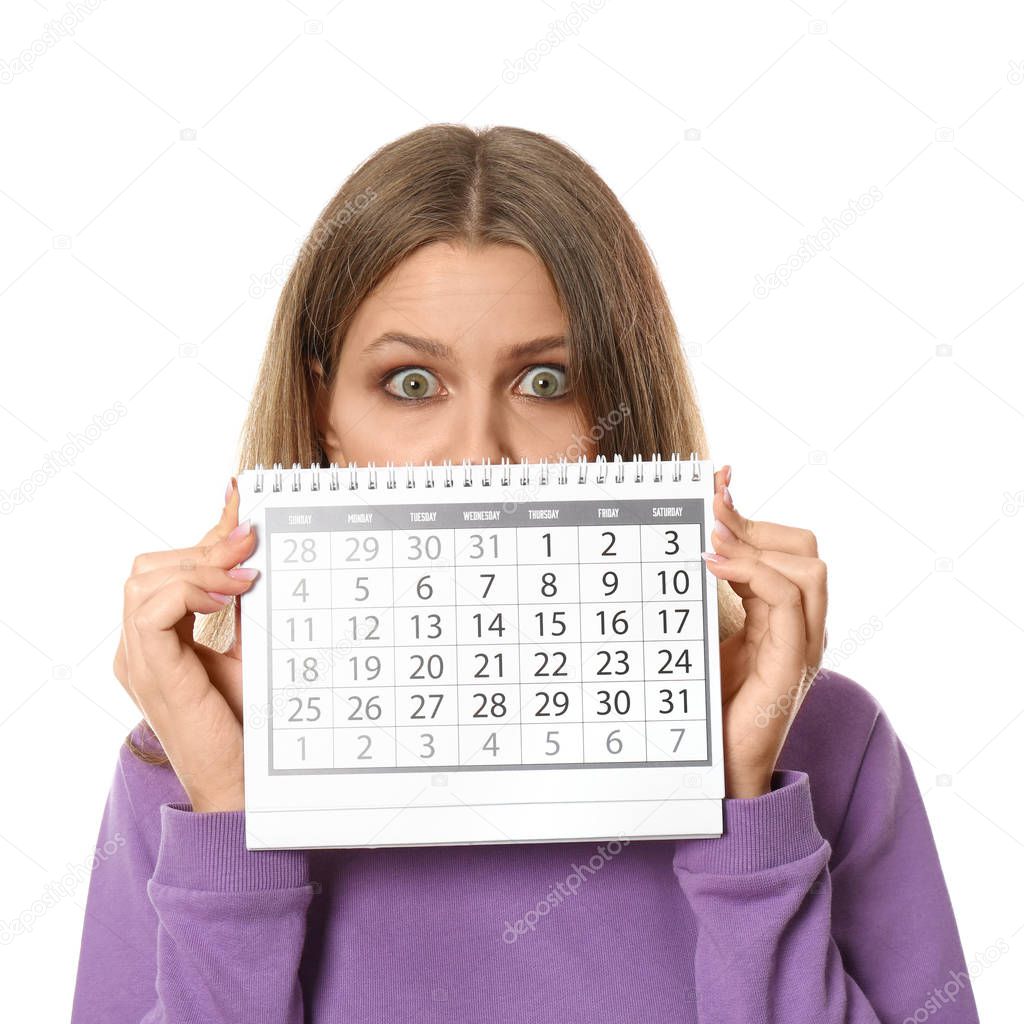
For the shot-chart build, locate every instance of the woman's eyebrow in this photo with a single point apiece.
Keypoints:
(439, 350)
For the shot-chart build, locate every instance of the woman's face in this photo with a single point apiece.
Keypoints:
(455, 355)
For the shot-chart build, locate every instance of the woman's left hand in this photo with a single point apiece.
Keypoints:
(769, 664)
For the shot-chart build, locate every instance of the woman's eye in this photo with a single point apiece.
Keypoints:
(544, 381)
(413, 382)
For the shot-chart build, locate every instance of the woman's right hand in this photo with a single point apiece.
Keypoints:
(190, 694)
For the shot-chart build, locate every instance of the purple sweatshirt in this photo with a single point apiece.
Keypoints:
(824, 902)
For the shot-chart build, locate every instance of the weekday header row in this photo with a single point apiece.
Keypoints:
(477, 515)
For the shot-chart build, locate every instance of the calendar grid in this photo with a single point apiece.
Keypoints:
(320, 530)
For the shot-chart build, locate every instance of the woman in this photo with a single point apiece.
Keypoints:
(483, 294)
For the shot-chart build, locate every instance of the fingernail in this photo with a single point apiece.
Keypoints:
(728, 475)
(727, 497)
(712, 556)
(240, 531)
(229, 491)
(724, 530)
(223, 598)
(239, 573)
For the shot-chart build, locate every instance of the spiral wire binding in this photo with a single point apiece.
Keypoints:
(334, 472)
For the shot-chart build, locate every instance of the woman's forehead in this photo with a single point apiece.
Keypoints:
(496, 296)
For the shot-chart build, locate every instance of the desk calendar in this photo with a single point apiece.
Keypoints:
(478, 653)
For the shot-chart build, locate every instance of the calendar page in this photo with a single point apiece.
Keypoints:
(476, 653)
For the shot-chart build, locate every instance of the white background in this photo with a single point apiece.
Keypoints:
(875, 399)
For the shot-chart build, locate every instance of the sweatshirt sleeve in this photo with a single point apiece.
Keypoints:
(183, 923)
(791, 931)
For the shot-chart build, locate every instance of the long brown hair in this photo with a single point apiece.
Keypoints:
(497, 185)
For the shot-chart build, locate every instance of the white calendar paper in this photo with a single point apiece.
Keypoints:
(477, 653)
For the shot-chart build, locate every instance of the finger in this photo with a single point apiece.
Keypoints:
(186, 626)
(220, 531)
(141, 587)
(223, 553)
(211, 553)
(766, 536)
(208, 564)
(137, 588)
(782, 597)
(762, 534)
(212, 578)
(154, 647)
(809, 574)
